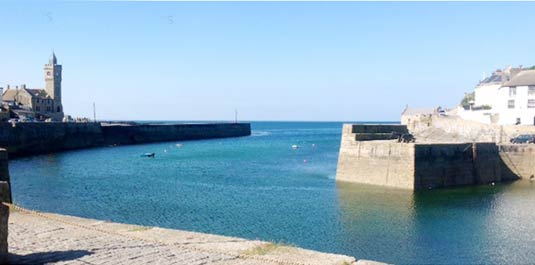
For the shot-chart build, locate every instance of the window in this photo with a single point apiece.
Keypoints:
(531, 90)
(511, 104)
(60, 109)
(531, 103)
(512, 91)
(37, 108)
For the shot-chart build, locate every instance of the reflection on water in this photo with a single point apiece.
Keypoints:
(259, 187)
(377, 222)
(484, 224)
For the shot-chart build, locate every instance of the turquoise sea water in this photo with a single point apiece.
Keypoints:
(258, 187)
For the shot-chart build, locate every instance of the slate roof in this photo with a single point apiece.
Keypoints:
(416, 111)
(494, 78)
(40, 93)
(9, 95)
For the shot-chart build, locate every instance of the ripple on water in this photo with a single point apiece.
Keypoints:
(258, 187)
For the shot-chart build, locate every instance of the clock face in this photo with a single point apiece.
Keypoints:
(48, 73)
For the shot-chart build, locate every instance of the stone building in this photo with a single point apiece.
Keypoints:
(38, 103)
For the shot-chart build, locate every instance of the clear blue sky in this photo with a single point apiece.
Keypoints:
(270, 60)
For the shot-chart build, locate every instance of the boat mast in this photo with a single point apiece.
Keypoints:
(94, 113)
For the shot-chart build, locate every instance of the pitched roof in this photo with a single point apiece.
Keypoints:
(496, 77)
(524, 78)
(40, 93)
(415, 111)
(9, 95)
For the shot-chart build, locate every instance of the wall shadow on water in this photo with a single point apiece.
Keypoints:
(48, 257)
(436, 226)
(447, 165)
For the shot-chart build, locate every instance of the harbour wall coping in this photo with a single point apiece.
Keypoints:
(22, 139)
(471, 130)
(378, 128)
(370, 132)
(429, 165)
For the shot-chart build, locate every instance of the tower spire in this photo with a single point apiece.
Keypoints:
(53, 59)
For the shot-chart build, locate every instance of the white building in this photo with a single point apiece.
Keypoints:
(506, 97)
(515, 101)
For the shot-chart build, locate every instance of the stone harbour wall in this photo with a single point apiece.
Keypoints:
(430, 165)
(445, 165)
(135, 134)
(5, 196)
(385, 163)
(34, 138)
(22, 139)
(467, 130)
(519, 158)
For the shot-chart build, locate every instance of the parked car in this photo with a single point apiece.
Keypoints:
(523, 139)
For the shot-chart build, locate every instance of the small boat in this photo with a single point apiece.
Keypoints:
(148, 154)
(295, 146)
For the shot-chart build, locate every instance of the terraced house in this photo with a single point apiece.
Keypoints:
(38, 103)
(506, 97)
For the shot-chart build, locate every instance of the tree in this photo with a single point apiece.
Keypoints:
(468, 97)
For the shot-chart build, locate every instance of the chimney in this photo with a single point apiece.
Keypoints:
(23, 86)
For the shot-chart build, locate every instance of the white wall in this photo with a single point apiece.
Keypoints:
(486, 94)
(520, 110)
(482, 116)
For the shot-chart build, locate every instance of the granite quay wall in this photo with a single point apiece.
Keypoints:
(445, 165)
(34, 138)
(371, 132)
(4, 177)
(160, 133)
(385, 163)
(23, 139)
(5, 196)
(424, 165)
(519, 158)
(466, 130)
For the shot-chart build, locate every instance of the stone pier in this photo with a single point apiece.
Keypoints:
(23, 139)
(428, 165)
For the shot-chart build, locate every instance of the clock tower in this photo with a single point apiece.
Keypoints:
(53, 83)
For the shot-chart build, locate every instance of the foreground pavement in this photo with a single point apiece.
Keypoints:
(45, 238)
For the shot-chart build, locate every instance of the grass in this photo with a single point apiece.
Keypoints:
(266, 248)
